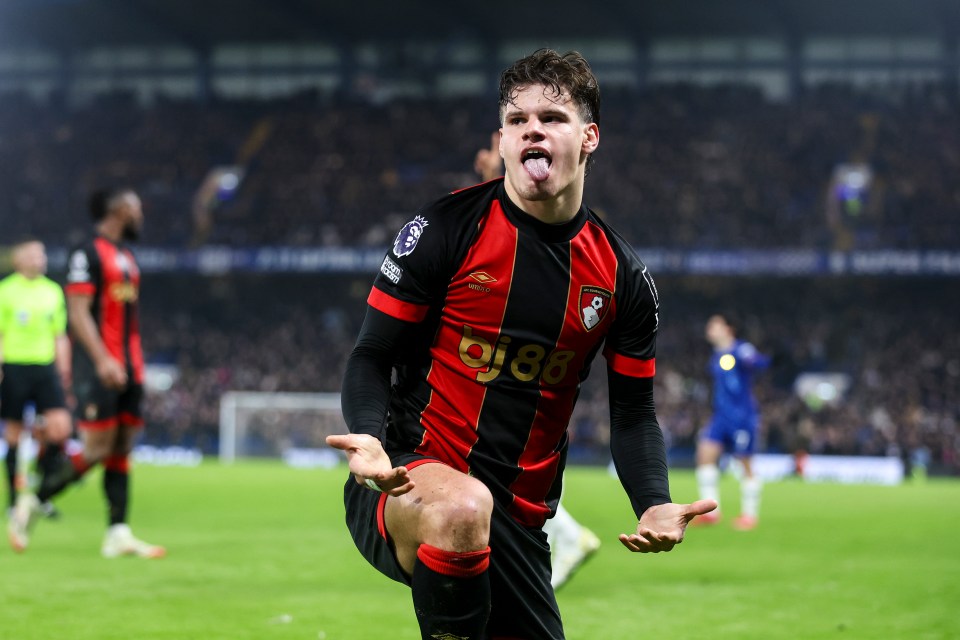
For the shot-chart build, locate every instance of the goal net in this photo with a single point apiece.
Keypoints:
(287, 425)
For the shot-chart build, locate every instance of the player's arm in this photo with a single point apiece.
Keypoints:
(640, 457)
(62, 350)
(84, 330)
(752, 358)
(488, 162)
(3, 322)
(365, 396)
(62, 360)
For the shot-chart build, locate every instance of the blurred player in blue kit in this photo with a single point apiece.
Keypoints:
(736, 419)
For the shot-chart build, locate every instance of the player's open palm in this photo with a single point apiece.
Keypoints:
(368, 461)
(661, 527)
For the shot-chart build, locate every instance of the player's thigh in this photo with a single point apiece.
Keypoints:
(446, 509)
(364, 515)
(743, 439)
(98, 440)
(709, 447)
(523, 603)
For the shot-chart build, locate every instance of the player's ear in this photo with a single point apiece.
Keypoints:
(591, 138)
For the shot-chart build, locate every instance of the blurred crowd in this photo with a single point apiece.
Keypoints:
(679, 166)
(896, 340)
(685, 167)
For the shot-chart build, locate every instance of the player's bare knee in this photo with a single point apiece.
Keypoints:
(57, 426)
(460, 521)
(11, 433)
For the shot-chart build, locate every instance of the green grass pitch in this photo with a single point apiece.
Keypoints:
(259, 551)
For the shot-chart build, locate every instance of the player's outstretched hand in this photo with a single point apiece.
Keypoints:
(662, 526)
(368, 461)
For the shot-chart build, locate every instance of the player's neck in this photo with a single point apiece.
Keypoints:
(111, 232)
(561, 208)
(725, 345)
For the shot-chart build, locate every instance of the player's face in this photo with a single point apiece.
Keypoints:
(717, 331)
(31, 259)
(544, 144)
(132, 210)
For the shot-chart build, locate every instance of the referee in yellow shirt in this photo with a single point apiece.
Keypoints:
(35, 353)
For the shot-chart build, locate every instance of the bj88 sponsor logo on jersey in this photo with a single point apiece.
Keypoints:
(522, 362)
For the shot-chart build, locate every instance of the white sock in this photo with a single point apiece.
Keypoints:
(708, 475)
(561, 529)
(750, 496)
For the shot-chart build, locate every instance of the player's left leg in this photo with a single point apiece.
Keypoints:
(523, 601)
(119, 539)
(750, 489)
(571, 544)
(440, 534)
(709, 448)
(11, 434)
(750, 485)
(18, 519)
(52, 429)
(15, 393)
(96, 419)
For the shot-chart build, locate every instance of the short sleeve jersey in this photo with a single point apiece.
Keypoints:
(511, 312)
(109, 273)
(32, 315)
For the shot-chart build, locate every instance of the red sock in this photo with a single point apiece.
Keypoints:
(451, 592)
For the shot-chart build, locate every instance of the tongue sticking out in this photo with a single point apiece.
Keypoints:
(538, 168)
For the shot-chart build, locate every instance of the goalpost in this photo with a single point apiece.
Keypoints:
(288, 425)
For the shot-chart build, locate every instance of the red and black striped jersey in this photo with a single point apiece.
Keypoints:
(109, 273)
(511, 312)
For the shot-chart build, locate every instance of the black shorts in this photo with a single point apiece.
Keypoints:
(23, 383)
(101, 408)
(523, 604)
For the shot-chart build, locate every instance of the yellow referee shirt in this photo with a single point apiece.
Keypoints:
(32, 314)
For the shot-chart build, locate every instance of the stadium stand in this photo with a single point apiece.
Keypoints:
(852, 145)
(726, 166)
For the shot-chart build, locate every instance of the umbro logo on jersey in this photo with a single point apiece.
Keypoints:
(482, 277)
(482, 280)
(594, 303)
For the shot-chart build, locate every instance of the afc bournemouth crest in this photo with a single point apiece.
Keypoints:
(409, 236)
(594, 303)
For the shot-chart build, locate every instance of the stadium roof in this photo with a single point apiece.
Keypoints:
(77, 24)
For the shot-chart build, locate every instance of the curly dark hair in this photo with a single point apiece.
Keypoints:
(102, 200)
(569, 72)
